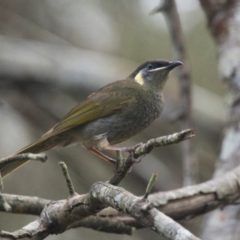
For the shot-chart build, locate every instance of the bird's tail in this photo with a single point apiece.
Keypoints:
(39, 146)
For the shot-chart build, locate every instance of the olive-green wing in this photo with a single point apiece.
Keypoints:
(106, 101)
(97, 105)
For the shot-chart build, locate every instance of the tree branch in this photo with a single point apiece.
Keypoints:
(58, 215)
(122, 200)
(183, 203)
(190, 165)
(24, 156)
(147, 148)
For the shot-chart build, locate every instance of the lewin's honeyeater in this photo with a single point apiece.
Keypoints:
(109, 116)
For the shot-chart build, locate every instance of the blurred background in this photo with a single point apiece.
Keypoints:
(55, 53)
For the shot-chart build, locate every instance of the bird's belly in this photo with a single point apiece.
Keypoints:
(117, 128)
(128, 128)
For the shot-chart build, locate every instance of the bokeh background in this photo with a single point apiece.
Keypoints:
(54, 53)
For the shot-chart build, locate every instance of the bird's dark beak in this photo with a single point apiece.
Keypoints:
(169, 67)
(174, 64)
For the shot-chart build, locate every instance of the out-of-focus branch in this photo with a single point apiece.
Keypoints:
(190, 165)
(30, 30)
(62, 64)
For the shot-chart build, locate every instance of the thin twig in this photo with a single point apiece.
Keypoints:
(163, 141)
(148, 147)
(24, 156)
(190, 165)
(119, 160)
(150, 185)
(67, 178)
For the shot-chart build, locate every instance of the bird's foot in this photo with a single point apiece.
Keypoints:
(102, 155)
(124, 149)
(130, 150)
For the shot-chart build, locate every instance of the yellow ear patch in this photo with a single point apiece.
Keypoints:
(139, 78)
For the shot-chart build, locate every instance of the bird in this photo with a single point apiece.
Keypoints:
(109, 116)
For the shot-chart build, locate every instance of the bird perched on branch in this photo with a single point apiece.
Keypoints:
(109, 116)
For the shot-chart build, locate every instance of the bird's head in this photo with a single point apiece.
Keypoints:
(153, 74)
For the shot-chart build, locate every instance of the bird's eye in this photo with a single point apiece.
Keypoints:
(149, 66)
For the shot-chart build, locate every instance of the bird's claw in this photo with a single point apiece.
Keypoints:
(136, 160)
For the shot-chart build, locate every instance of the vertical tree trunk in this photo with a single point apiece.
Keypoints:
(224, 25)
